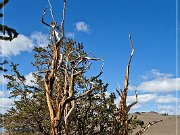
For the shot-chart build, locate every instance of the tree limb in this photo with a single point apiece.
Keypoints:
(135, 102)
(142, 130)
(126, 83)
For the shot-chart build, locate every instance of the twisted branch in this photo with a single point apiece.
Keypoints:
(142, 130)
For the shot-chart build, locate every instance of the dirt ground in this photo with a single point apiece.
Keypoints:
(170, 125)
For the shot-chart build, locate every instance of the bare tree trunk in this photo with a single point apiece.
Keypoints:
(123, 109)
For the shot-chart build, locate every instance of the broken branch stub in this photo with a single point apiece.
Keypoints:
(142, 130)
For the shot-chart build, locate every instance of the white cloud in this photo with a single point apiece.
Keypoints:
(136, 106)
(144, 98)
(4, 93)
(117, 101)
(39, 39)
(1, 93)
(141, 100)
(23, 43)
(171, 110)
(167, 99)
(82, 27)
(107, 94)
(2, 79)
(29, 79)
(6, 103)
(162, 85)
(154, 74)
(155, 81)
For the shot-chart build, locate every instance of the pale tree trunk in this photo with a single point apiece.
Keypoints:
(61, 99)
(123, 109)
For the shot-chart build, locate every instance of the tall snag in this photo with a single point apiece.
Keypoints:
(122, 115)
(123, 109)
(63, 73)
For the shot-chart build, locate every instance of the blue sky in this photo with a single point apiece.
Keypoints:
(103, 27)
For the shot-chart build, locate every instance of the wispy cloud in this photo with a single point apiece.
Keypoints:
(1, 93)
(155, 81)
(142, 98)
(170, 109)
(2, 79)
(6, 103)
(145, 99)
(163, 85)
(82, 27)
(23, 43)
(162, 102)
(154, 74)
(136, 106)
(30, 79)
(70, 35)
(167, 99)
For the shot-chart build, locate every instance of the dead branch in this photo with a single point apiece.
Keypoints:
(51, 10)
(42, 18)
(63, 19)
(60, 86)
(123, 109)
(126, 83)
(142, 130)
(135, 102)
(119, 94)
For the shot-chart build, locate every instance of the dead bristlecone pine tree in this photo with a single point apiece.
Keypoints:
(63, 73)
(122, 115)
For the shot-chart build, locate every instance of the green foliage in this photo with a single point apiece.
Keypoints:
(7, 32)
(94, 114)
(29, 113)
